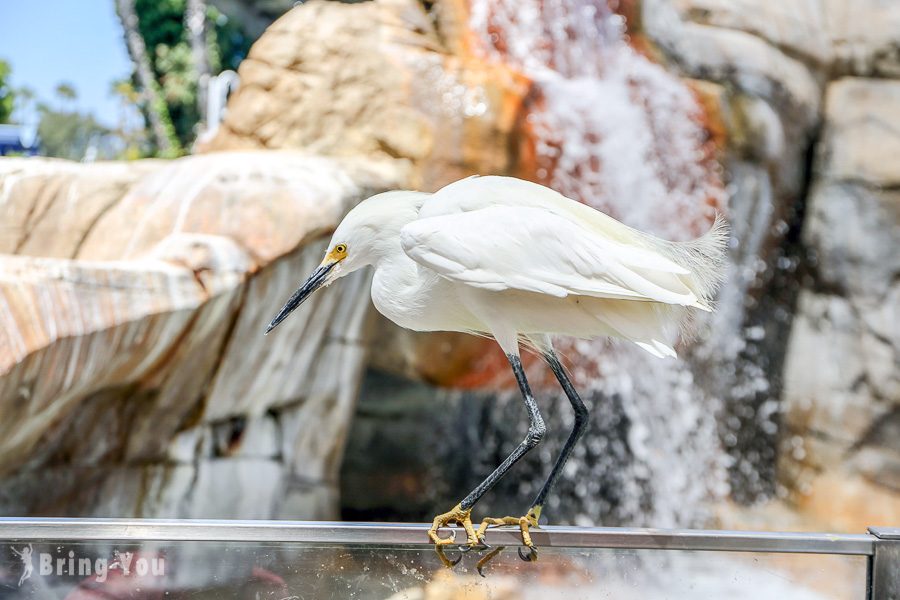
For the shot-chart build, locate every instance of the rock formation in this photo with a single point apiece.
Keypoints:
(132, 378)
(133, 302)
(842, 381)
(809, 113)
(375, 79)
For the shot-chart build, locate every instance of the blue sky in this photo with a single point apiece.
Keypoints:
(77, 41)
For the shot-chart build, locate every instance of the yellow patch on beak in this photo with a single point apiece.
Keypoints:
(336, 254)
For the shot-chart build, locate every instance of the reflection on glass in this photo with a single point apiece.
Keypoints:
(282, 571)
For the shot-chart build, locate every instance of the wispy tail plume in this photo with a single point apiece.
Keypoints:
(705, 257)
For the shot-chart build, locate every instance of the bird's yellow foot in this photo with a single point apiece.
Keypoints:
(525, 523)
(457, 514)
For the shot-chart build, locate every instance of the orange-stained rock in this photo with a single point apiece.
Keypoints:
(375, 79)
(447, 359)
(847, 503)
(711, 97)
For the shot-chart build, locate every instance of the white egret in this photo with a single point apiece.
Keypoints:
(510, 259)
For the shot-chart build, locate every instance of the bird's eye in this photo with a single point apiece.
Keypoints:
(340, 249)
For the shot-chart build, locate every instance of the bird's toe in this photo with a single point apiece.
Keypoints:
(524, 523)
(458, 515)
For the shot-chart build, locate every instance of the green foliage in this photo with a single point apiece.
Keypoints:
(67, 95)
(179, 88)
(67, 134)
(161, 24)
(124, 90)
(66, 91)
(135, 142)
(228, 43)
(24, 97)
(170, 129)
(7, 94)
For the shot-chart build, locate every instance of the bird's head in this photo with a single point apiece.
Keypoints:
(370, 231)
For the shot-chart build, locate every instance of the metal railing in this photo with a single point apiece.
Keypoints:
(881, 545)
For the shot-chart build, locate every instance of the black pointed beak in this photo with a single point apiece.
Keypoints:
(314, 282)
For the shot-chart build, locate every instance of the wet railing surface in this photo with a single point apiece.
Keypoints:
(87, 558)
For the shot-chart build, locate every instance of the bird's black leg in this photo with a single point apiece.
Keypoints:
(578, 429)
(461, 513)
(535, 433)
(534, 513)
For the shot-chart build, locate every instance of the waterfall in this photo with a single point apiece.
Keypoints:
(618, 132)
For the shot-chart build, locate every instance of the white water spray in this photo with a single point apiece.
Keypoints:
(618, 132)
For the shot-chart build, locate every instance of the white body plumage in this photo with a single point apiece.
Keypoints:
(511, 259)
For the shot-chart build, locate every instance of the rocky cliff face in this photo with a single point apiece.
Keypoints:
(135, 382)
(841, 406)
(814, 80)
(133, 301)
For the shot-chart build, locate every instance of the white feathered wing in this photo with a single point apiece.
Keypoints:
(499, 233)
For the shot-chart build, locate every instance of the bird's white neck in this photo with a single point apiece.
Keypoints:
(397, 287)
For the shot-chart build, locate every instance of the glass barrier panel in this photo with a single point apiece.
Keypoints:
(304, 571)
